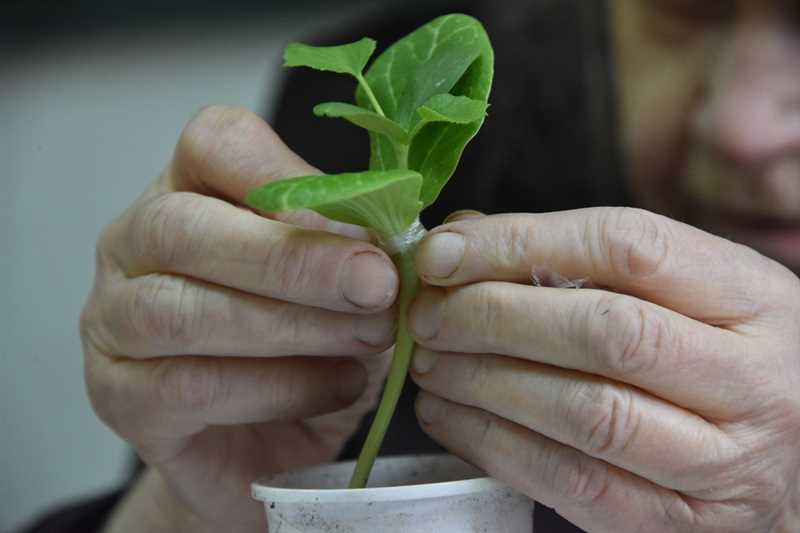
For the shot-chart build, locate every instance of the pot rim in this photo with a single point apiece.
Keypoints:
(261, 490)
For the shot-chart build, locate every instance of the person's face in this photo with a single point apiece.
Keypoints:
(710, 99)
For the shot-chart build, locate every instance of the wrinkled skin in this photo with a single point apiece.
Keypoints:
(661, 396)
(198, 321)
(666, 396)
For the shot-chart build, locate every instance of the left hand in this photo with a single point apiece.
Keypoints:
(667, 400)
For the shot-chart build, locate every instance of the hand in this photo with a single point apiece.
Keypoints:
(668, 400)
(198, 331)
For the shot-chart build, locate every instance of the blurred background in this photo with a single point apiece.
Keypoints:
(93, 95)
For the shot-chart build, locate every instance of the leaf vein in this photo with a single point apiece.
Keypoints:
(389, 86)
(434, 145)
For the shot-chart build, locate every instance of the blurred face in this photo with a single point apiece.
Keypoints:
(710, 95)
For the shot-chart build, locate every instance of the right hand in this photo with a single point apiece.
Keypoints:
(198, 331)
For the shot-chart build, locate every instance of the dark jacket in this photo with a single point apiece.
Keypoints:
(550, 143)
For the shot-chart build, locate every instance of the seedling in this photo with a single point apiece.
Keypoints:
(421, 101)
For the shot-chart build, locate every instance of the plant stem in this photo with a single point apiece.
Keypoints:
(367, 89)
(403, 351)
(402, 155)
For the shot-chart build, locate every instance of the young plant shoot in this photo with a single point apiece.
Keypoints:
(421, 102)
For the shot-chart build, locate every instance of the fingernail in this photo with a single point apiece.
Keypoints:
(351, 380)
(366, 280)
(424, 360)
(426, 314)
(441, 254)
(462, 214)
(429, 408)
(375, 330)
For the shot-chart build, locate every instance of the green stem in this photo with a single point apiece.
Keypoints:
(370, 95)
(403, 351)
(402, 155)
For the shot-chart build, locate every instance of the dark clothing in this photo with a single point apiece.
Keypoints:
(549, 143)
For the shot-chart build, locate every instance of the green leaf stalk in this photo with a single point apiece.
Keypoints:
(421, 102)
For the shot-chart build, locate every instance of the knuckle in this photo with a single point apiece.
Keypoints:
(169, 229)
(287, 393)
(111, 395)
(96, 334)
(577, 479)
(634, 243)
(625, 336)
(187, 384)
(760, 279)
(99, 387)
(288, 328)
(89, 329)
(167, 310)
(103, 257)
(487, 433)
(487, 310)
(604, 419)
(479, 371)
(289, 266)
(676, 512)
(208, 132)
(86, 323)
(515, 238)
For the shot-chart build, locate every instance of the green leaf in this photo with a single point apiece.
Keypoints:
(386, 201)
(451, 54)
(452, 109)
(365, 118)
(428, 61)
(434, 83)
(344, 59)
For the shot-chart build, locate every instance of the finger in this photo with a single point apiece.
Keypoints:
(548, 472)
(630, 250)
(160, 315)
(159, 404)
(597, 332)
(610, 421)
(586, 491)
(228, 151)
(330, 427)
(463, 214)
(208, 239)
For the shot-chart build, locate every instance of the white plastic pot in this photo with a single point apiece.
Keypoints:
(410, 494)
